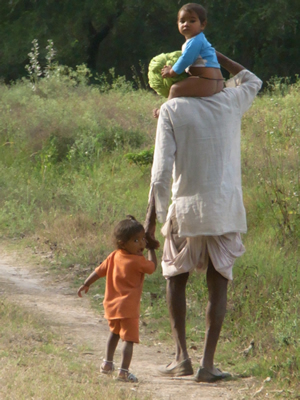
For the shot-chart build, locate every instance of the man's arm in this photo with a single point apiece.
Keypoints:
(161, 175)
(150, 224)
(248, 84)
(231, 66)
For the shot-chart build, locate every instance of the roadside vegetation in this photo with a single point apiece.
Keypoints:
(76, 158)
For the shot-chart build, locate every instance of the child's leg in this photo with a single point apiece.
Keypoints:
(112, 343)
(129, 333)
(127, 351)
(195, 86)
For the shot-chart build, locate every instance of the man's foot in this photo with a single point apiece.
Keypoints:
(107, 367)
(177, 369)
(203, 375)
(155, 112)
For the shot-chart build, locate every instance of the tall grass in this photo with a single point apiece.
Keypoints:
(65, 180)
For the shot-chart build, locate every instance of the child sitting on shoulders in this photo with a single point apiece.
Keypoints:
(124, 270)
(198, 58)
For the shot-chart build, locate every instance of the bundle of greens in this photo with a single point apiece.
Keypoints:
(156, 81)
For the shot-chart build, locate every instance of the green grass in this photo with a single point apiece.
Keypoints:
(65, 181)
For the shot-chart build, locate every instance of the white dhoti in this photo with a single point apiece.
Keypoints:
(186, 254)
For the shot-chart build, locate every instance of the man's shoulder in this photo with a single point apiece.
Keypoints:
(173, 103)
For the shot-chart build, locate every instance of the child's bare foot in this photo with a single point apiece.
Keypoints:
(107, 367)
(155, 112)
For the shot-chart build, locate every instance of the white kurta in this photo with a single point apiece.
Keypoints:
(198, 145)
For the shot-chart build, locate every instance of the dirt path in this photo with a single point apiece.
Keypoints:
(26, 284)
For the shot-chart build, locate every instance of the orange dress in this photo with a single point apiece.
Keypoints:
(124, 283)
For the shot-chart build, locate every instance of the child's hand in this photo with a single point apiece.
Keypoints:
(152, 257)
(167, 72)
(82, 287)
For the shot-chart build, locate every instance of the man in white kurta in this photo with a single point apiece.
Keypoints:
(198, 149)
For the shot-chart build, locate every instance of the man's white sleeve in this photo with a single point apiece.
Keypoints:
(247, 85)
(164, 155)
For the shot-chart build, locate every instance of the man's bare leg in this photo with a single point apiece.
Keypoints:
(215, 313)
(177, 311)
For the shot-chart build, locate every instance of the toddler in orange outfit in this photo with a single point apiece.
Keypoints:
(124, 270)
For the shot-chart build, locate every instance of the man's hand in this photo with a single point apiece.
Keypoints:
(167, 72)
(150, 225)
(152, 243)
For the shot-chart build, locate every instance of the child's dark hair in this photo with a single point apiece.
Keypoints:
(125, 229)
(196, 8)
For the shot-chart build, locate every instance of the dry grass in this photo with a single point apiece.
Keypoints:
(36, 363)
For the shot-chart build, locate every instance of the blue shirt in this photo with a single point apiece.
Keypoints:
(196, 52)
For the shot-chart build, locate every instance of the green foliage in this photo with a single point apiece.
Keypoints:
(279, 86)
(33, 67)
(263, 36)
(260, 35)
(277, 166)
(91, 146)
(59, 73)
(144, 157)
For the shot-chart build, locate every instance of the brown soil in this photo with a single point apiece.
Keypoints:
(25, 283)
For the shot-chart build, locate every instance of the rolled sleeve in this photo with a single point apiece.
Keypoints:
(247, 86)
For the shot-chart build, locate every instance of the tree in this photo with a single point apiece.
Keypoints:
(263, 36)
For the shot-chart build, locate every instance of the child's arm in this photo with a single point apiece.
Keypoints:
(189, 55)
(187, 58)
(152, 256)
(88, 282)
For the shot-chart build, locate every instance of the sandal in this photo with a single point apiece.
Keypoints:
(127, 377)
(181, 369)
(203, 375)
(107, 371)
